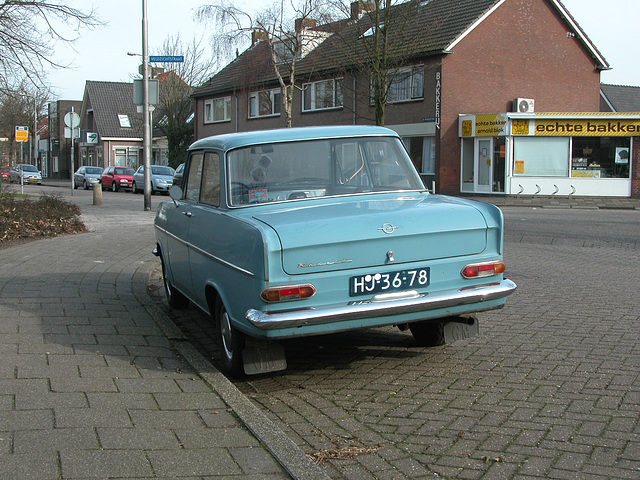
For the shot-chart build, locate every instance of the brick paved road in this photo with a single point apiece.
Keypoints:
(550, 389)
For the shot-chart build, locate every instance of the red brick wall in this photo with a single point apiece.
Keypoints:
(520, 50)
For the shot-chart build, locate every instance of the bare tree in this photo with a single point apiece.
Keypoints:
(29, 32)
(24, 106)
(286, 30)
(176, 85)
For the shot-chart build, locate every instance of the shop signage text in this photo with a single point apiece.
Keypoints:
(590, 127)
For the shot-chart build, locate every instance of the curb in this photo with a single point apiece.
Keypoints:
(289, 455)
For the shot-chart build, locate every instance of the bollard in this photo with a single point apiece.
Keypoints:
(97, 194)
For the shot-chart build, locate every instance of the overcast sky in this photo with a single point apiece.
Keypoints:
(101, 54)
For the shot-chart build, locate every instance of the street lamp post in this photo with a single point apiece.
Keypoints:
(146, 133)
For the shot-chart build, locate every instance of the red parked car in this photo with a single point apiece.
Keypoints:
(115, 178)
(4, 174)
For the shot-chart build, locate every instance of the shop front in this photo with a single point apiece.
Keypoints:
(583, 154)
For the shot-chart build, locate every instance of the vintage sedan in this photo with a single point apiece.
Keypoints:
(306, 231)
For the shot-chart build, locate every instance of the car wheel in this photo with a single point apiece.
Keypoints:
(231, 342)
(133, 188)
(84, 185)
(428, 333)
(114, 187)
(175, 299)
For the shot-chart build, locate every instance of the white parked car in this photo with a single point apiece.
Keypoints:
(161, 179)
(24, 173)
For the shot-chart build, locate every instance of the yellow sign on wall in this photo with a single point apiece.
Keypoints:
(587, 128)
(467, 128)
(491, 125)
(520, 126)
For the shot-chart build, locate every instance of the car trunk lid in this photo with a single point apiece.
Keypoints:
(366, 232)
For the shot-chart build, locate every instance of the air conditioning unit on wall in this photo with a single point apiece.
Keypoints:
(523, 105)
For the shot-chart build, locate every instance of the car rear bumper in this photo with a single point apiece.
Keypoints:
(387, 305)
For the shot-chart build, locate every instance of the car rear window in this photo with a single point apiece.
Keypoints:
(318, 168)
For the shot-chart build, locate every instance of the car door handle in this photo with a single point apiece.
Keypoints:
(188, 214)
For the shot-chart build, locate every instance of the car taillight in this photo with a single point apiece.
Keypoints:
(290, 292)
(485, 269)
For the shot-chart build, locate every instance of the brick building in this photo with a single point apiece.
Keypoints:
(512, 63)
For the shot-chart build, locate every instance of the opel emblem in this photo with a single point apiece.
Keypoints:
(388, 228)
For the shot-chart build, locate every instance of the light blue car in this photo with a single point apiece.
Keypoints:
(306, 231)
(161, 179)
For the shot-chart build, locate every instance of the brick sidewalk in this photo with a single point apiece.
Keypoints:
(96, 382)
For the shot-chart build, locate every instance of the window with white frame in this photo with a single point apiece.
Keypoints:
(265, 103)
(217, 110)
(406, 84)
(322, 95)
(125, 121)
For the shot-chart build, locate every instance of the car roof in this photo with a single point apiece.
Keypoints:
(231, 141)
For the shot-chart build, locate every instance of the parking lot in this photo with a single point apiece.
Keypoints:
(549, 389)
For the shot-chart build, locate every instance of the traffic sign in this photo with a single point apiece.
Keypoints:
(22, 134)
(72, 120)
(166, 58)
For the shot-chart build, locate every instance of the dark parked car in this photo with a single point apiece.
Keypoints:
(87, 176)
(116, 178)
(304, 231)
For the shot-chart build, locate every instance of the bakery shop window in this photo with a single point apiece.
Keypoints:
(601, 157)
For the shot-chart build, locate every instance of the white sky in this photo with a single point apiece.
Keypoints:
(101, 54)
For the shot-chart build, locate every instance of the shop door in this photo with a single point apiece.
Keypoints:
(484, 166)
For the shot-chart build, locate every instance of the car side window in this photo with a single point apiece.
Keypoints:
(210, 191)
(192, 188)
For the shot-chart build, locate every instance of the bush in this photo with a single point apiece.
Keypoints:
(48, 216)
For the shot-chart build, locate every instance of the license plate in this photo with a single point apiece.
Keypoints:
(388, 281)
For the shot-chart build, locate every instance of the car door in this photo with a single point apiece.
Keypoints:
(205, 230)
(107, 177)
(178, 225)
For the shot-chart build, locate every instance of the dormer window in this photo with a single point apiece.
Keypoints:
(124, 120)
(372, 30)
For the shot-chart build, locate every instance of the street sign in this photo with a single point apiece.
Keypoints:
(166, 58)
(22, 134)
(138, 88)
(72, 120)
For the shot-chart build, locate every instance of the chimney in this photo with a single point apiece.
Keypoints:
(359, 7)
(258, 36)
(304, 23)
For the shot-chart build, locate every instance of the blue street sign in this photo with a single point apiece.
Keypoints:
(166, 58)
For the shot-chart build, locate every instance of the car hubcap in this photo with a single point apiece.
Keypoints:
(225, 332)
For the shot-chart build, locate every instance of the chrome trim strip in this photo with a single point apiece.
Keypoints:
(370, 308)
(205, 253)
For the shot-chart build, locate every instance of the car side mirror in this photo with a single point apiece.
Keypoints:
(175, 193)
